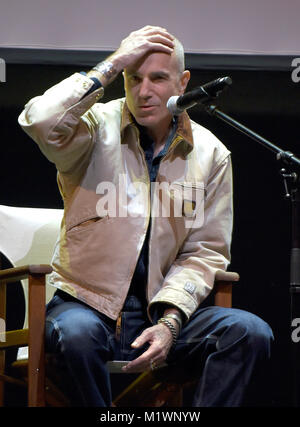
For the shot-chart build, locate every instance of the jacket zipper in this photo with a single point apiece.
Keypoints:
(118, 326)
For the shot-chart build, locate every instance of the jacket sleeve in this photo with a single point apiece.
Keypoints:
(205, 250)
(57, 122)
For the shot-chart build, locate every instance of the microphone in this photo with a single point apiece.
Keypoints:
(201, 94)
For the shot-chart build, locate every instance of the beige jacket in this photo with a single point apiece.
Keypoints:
(104, 182)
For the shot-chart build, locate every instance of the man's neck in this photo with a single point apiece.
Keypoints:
(159, 137)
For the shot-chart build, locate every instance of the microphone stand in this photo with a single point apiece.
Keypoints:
(291, 185)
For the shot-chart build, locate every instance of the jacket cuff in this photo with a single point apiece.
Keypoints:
(88, 97)
(97, 84)
(157, 310)
(170, 297)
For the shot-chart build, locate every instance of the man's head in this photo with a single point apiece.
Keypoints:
(151, 81)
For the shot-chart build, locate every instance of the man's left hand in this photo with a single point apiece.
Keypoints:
(160, 339)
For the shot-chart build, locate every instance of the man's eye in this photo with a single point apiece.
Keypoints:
(134, 79)
(159, 78)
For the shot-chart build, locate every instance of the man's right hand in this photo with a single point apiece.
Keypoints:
(141, 42)
(134, 47)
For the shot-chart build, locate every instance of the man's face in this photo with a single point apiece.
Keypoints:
(149, 84)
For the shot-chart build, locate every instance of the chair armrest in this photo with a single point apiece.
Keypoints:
(19, 273)
(227, 276)
(223, 288)
(36, 321)
(17, 338)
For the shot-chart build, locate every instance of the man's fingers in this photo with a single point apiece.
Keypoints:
(143, 362)
(160, 341)
(141, 339)
(157, 38)
(146, 336)
(154, 35)
(140, 42)
(151, 29)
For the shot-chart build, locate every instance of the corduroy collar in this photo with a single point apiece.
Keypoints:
(184, 129)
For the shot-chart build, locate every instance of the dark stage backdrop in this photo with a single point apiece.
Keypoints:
(264, 99)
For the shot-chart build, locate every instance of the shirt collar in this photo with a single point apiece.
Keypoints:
(184, 129)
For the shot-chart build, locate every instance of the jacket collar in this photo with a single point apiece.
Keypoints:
(184, 129)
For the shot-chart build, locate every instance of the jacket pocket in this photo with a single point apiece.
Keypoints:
(85, 224)
(189, 200)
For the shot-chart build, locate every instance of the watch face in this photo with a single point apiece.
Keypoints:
(106, 68)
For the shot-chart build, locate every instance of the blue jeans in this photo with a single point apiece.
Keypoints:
(221, 347)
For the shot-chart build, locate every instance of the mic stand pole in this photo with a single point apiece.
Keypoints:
(291, 185)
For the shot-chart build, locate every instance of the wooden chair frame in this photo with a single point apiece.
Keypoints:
(33, 337)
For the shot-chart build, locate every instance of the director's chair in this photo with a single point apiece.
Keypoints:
(28, 235)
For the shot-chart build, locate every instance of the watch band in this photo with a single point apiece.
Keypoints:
(105, 68)
(176, 317)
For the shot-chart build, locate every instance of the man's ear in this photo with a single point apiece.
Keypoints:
(184, 79)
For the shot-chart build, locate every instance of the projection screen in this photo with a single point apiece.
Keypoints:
(228, 27)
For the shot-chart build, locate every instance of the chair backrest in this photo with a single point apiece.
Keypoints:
(28, 236)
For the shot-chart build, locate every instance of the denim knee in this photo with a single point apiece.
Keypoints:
(76, 330)
(250, 329)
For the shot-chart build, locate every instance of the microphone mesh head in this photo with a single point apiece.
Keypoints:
(172, 106)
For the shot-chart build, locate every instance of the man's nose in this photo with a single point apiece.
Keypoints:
(145, 88)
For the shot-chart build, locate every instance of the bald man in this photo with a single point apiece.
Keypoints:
(147, 225)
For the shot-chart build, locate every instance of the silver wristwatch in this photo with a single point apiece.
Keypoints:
(176, 317)
(105, 68)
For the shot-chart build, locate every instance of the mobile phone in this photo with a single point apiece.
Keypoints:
(116, 365)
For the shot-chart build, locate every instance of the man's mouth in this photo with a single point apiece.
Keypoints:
(145, 109)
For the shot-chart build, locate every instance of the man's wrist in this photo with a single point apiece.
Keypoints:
(106, 68)
(173, 330)
(105, 71)
(175, 317)
(175, 313)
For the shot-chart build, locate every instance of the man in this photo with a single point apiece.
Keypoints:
(130, 277)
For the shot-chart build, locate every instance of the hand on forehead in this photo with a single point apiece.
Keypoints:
(143, 41)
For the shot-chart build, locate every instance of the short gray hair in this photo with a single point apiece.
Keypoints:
(179, 55)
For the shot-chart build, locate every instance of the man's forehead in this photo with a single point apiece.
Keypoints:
(152, 73)
(153, 62)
